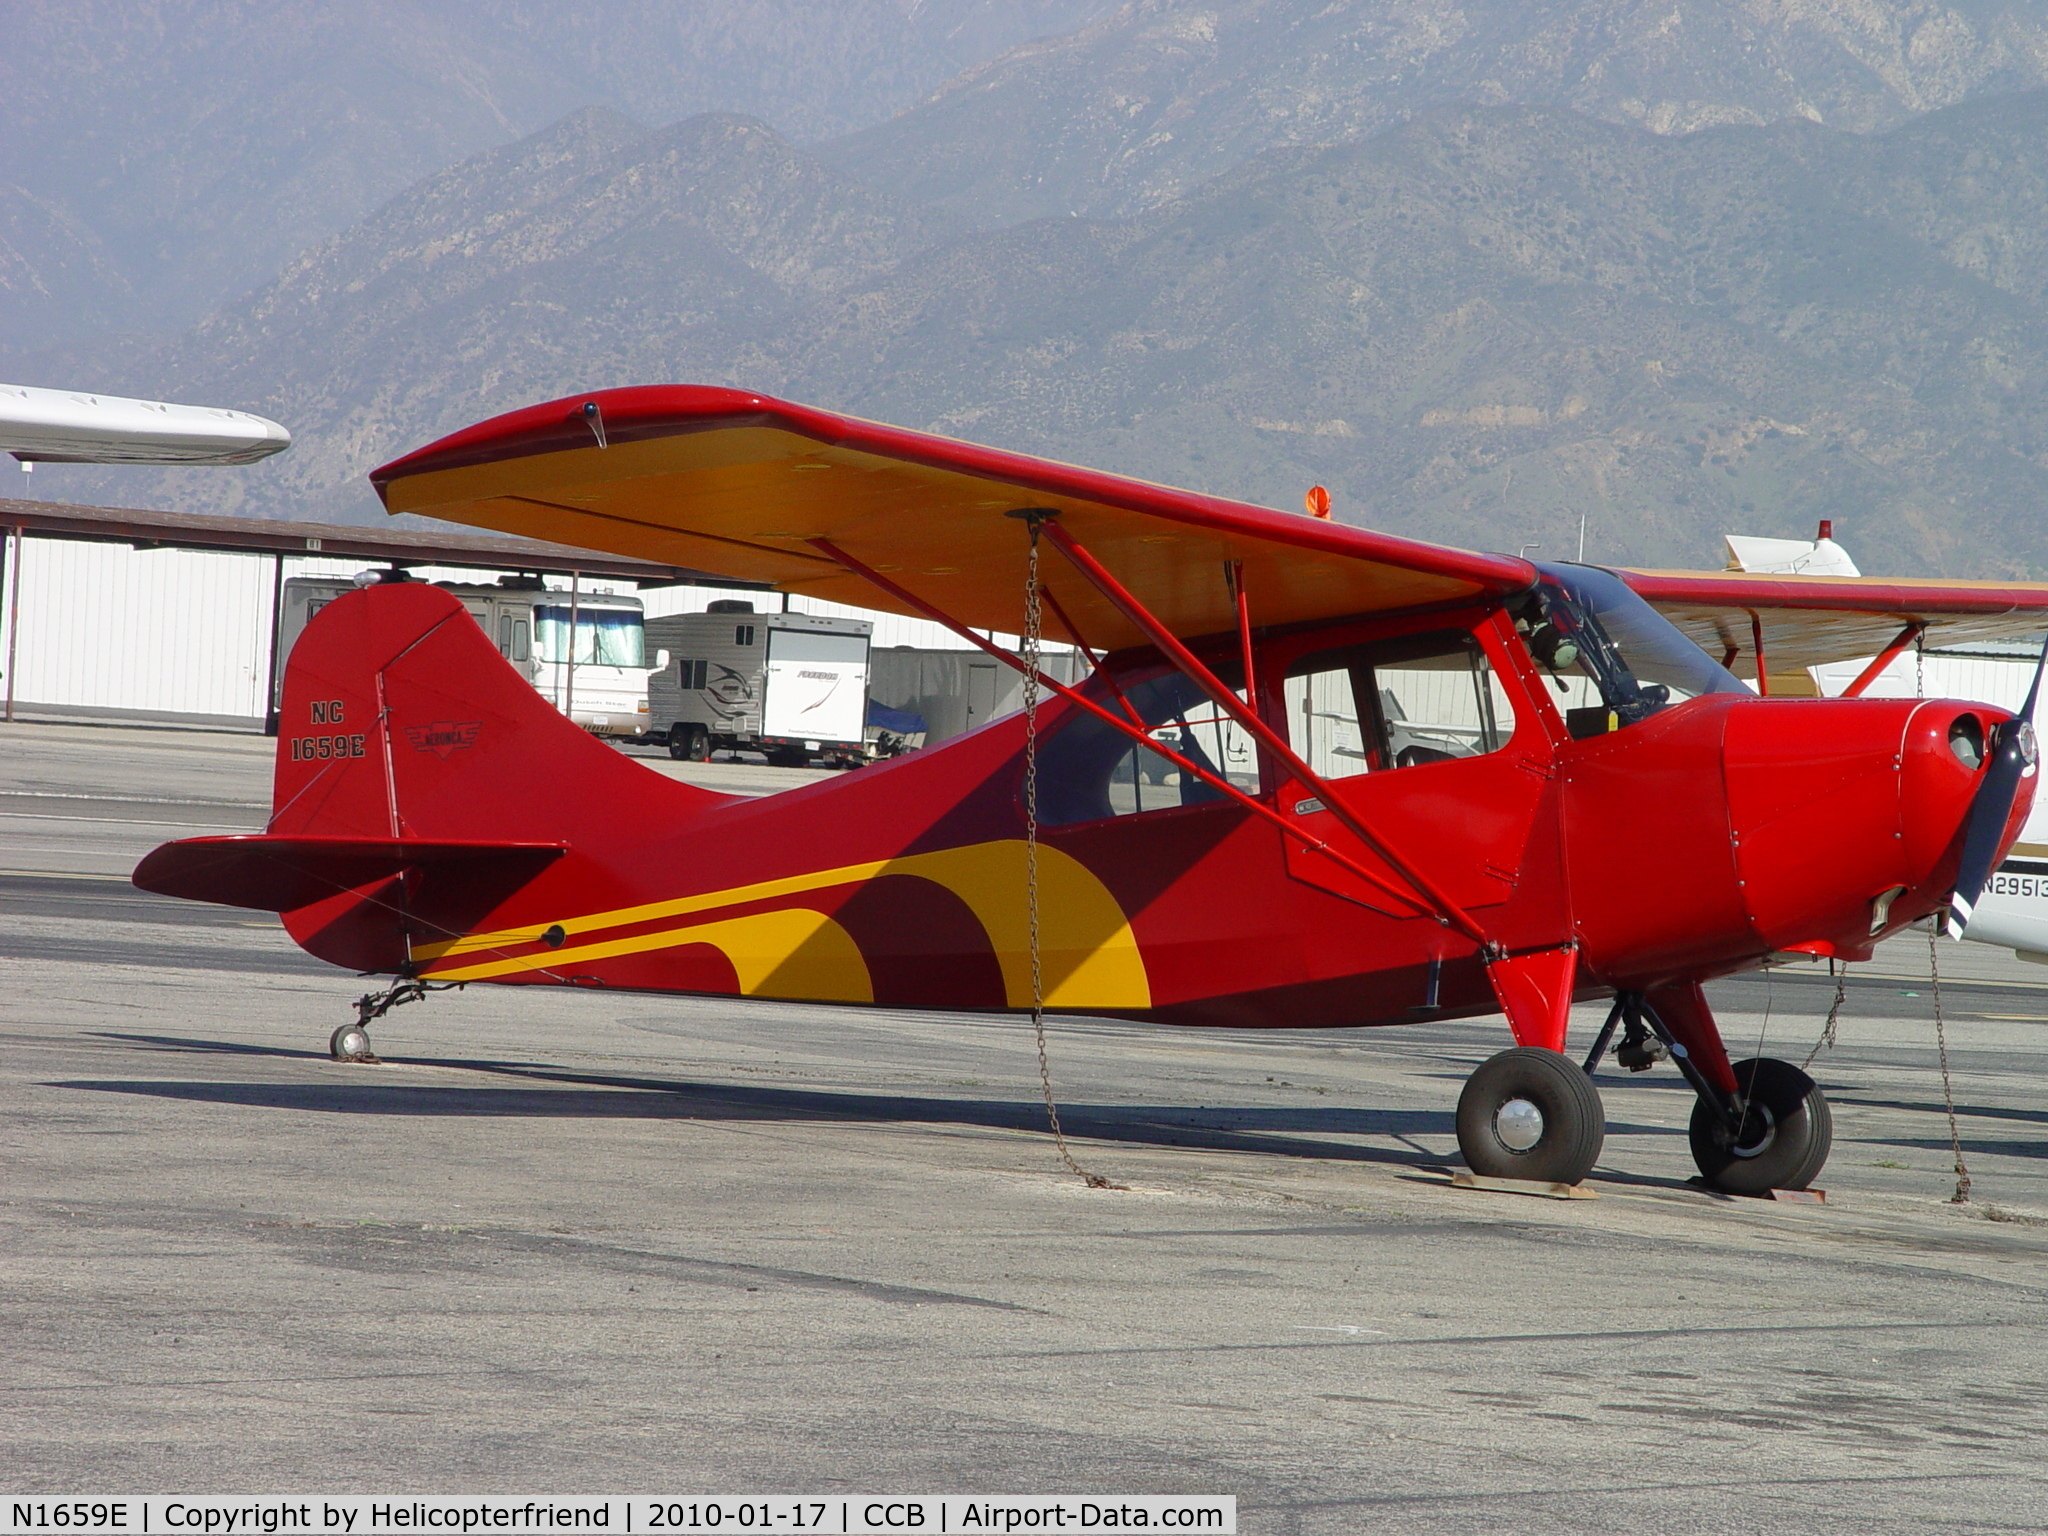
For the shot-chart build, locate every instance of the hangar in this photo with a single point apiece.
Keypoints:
(121, 613)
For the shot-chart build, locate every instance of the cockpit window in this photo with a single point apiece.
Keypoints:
(1613, 657)
(1396, 703)
(1088, 769)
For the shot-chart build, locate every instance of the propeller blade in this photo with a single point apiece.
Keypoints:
(2013, 754)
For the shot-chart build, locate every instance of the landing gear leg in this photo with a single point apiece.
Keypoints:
(351, 1042)
(1532, 1112)
(1779, 1137)
(1758, 1125)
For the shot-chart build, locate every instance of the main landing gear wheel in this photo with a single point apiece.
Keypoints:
(1529, 1113)
(351, 1042)
(1785, 1135)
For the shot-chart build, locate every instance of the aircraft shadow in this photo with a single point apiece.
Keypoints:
(1287, 1130)
(1973, 1146)
(1979, 1111)
(1149, 1125)
(1293, 1131)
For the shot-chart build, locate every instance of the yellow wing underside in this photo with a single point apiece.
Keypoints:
(743, 501)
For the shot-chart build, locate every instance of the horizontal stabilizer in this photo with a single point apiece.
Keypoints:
(283, 874)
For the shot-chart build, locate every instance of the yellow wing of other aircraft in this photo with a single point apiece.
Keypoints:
(1809, 621)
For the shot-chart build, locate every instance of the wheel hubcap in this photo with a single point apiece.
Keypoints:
(1519, 1125)
(1759, 1129)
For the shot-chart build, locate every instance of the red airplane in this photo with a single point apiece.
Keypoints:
(1319, 777)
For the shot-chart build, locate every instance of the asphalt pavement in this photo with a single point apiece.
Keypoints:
(573, 1242)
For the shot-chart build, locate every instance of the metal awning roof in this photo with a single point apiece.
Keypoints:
(249, 535)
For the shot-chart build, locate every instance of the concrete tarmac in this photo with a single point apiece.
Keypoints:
(574, 1242)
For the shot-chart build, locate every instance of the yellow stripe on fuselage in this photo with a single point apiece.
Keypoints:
(653, 911)
(794, 953)
(1090, 956)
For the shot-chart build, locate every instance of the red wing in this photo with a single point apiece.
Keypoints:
(739, 483)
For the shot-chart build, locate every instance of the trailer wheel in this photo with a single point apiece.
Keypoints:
(689, 743)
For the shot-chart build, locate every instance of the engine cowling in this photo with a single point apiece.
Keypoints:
(1726, 828)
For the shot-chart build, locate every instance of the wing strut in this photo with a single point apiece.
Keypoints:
(1884, 658)
(1094, 661)
(1233, 577)
(1136, 731)
(1226, 699)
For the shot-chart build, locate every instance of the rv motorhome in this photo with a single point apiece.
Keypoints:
(791, 686)
(600, 683)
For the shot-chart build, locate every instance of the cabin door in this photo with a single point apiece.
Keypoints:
(1428, 738)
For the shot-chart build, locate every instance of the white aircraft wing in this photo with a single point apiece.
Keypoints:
(67, 427)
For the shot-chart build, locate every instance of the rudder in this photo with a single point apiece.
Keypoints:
(400, 719)
(420, 783)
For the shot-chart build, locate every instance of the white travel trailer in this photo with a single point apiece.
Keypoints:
(599, 681)
(791, 686)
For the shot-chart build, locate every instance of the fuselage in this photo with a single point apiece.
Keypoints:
(1693, 841)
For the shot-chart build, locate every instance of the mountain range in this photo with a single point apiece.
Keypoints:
(1703, 312)
(1150, 101)
(161, 157)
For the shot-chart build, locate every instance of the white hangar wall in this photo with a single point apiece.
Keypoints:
(106, 629)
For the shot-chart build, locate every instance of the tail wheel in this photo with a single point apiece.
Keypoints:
(1531, 1114)
(1783, 1140)
(351, 1042)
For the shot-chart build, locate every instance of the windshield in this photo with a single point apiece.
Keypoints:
(1610, 652)
(605, 637)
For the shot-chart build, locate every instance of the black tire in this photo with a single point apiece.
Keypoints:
(351, 1042)
(1569, 1129)
(1787, 1133)
(679, 743)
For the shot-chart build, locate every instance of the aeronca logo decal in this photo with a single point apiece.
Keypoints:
(444, 737)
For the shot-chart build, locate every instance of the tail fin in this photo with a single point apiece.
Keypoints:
(420, 782)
